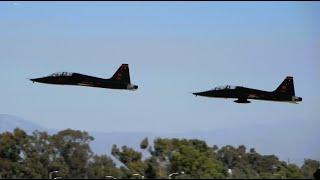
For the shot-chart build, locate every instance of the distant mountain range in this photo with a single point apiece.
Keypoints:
(261, 141)
(9, 123)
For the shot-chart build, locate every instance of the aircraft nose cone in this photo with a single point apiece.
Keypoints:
(41, 80)
(197, 93)
(33, 80)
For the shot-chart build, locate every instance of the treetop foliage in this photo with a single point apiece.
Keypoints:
(39, 155)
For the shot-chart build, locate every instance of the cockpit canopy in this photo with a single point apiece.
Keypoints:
(57, 74)
(225, 87)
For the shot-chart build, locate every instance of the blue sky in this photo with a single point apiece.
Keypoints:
(172, 48)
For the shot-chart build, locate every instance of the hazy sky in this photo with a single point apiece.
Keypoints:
(172, 48)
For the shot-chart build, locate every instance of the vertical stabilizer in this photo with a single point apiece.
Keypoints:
(122, 74)
(286, 87)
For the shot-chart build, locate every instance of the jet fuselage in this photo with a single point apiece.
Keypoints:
(284, 93)
(243, 93)
(120, 80)
(85, 80)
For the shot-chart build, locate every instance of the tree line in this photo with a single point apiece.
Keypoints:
(67, 154)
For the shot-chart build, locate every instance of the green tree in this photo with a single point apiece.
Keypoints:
(152, 167)
(309, 168)
(237, 161)
(144, 143)
(38, 155)
(131, 158)
(72, 148)
(68, 151)
(11, 154)
(294, 172)
(102, 166)
(193, 157)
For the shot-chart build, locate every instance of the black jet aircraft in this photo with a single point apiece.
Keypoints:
(120, 80)
(284, 93)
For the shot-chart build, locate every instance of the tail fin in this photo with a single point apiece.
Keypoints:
(122, 74)
(286, 87)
